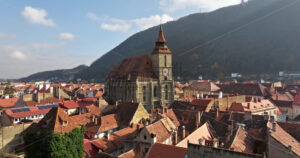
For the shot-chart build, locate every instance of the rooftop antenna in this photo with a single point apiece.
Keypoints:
(160, 24)
(243, 2)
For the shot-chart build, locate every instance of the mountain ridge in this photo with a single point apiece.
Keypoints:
(261, 37)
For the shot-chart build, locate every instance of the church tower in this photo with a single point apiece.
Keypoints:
(162, 66)
(162, 58)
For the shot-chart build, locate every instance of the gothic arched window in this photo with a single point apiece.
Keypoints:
(155, 91)
(144, 93)
(166, 92)
(165, 61)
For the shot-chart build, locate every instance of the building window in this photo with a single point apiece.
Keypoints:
(165, 61)
(166, 92)
(145, 137)
(144, 93)
(155, 91)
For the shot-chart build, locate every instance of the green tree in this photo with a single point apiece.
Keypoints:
(48, 144)
(8, 90)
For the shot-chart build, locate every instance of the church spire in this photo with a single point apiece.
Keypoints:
(161, 36)
(160, 45)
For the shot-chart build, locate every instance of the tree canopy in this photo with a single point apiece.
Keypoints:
(48, 144)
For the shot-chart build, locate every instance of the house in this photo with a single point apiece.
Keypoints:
(205, 132)
(25, 114)
(256, 107)
(296, 106)
(249, 89)
(201, 87)
(11, 103)
(163, 131)
(118, 142)
(108, 124)
(129, 113)
(72, 107)
(284, 102)
(57, 120)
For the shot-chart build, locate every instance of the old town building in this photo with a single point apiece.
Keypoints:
(144, 79)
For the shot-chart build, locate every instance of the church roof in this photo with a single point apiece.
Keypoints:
(139, 67)
(160, 46)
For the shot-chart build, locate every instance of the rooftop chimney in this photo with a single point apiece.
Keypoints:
(153, 138)
(108, 136)
(96, 121)
(230, 127)
(93, 118)
(175, 138)
(215, 143)
(220, 95)
(183, 132)
(274, 126)
(201, 142)
(290, 148)
(198, 119)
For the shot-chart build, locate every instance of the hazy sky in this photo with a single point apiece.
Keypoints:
(38, 35)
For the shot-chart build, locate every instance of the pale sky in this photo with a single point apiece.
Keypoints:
(44, 35)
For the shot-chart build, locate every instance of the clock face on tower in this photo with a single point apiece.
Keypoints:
(165, 72)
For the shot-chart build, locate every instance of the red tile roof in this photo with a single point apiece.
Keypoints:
(251, 89)
(43, 102)
(161, 129)
(284, 138)
(108, 122)
(130, 154)
(203, 86)
(116, 140)
(297, 100)
(69, 104)
(33, 111)
(242, 142)
(253, 106)
(292, 128)
(58, 121)
(90, 150)
(162, 150)
(205, 132)
(7, 103)
(171, 115)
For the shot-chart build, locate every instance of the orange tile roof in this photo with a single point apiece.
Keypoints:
(58, 121)
(108, 122)
(253, 106)
(116, 141)
(159, 129)
(284, 138)
(205, 132)
(292, 128)
(242, 142)
(162, 150)
(32, 111)
(129, 154)
(171, 115)
(7, 103)
(43, 102)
